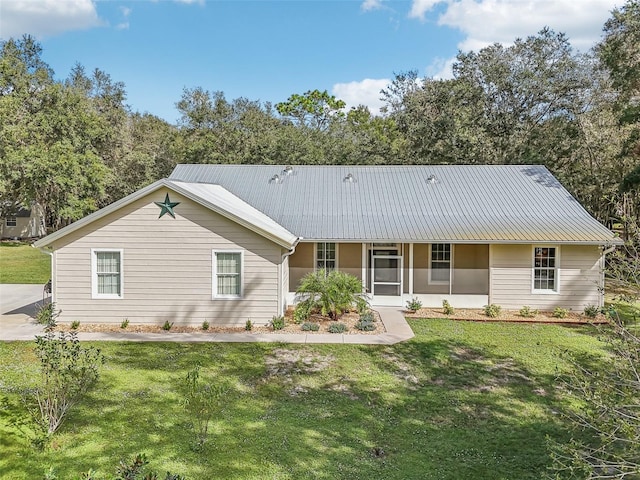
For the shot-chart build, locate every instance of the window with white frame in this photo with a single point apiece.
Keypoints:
(326, 256)
(12, 222)
(227, 278)
(440, 263)
(107, 272)
(545, 269)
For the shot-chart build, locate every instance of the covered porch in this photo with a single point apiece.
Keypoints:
(393, 273)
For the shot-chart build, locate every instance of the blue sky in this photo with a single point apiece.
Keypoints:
(267, 50)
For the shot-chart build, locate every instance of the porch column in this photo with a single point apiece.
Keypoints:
(364, 266)
(411, 269)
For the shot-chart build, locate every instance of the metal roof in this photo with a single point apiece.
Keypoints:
(462, 204)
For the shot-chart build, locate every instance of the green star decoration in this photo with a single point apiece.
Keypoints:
(167, 206)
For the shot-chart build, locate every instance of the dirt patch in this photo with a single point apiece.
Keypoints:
(285, 362)
(477, 315)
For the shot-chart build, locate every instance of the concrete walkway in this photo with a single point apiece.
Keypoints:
(16, 323)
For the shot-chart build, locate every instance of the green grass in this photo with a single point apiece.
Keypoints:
(21, 263)
(461, 400)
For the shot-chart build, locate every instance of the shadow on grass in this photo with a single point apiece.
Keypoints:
(427, 408)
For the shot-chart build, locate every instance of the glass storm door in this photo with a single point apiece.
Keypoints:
(387, 275)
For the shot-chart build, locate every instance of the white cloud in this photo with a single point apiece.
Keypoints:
(365, 92)
(368, 5)
(124, 25)
(46, 17)
(484, 22)
(441, 68)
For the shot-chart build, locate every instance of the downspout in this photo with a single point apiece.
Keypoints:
(281, 293)
(53, 269)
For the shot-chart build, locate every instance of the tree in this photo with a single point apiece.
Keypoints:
(314, 109)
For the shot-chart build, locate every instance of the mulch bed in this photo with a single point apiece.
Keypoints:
(349, 319)
(477, 315)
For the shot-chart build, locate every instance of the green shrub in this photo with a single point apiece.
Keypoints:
(337, 327)
(75, 324)
(414, 305)
(167, 326)
(205, 325)
(366, 326)
(331, 293)
(125, 323)
(560, 312)
(248, 326)
(527, 312)
(310, 327)
(367, 317)
(302, 312)
(277, 323)
(447, 309)
(591, 311)
(493, 310)
(47, 316)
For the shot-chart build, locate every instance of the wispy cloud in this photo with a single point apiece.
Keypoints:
(368, 5)
(42, 18)
(365, 92)
(124, 25)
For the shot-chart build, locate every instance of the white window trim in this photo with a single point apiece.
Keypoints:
(214, 275)
(14, 221)
(440, 282)
(535, 291)
(94, 274)
(315, 255)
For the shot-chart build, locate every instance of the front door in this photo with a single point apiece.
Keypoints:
(386, 286)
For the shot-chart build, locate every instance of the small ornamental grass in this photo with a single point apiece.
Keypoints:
(310, 327)
(337, 327)
(591, 311)
(414, 305)
(277, 323)
(167, 325)
(559, 312)
(365, 326)
(447, 309)
(493, 310)
(527, 312)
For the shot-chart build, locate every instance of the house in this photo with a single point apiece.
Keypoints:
(224, 243)
(23, 223)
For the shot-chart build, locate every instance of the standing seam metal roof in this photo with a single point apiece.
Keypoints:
(467, 203)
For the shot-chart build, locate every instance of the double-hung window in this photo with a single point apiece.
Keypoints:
(545, 269)
(326, 256)
(440, 263)
(12, 222)
(107, 273)
(227, 276)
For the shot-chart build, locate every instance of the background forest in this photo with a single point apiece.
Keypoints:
(74, 146)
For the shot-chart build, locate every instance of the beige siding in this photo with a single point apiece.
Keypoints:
(300, 263)
(421, 271)
(350, 259)
(511, 278)
(167, 266)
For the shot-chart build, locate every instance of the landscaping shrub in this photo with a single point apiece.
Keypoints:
(125, 323)
(365, 326)
(248, 326)
(302, 312)
(331, 293)
(47, 316)
(277, 323)
(492, 310)
(167, 326)
(310, 327)
(67, 371)
(75, 324)
(368, 317)
(447, 309)
(591, 311)
(337, 327)
(527, 312)
(414, 304)
(205, 325)
(560, 312)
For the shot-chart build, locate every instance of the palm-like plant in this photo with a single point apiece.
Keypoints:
(332, 293)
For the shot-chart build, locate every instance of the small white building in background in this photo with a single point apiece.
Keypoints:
(24, 223)
(224, 243)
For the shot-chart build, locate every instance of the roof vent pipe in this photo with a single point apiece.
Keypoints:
(275, 179)
(431, 179)
(349, 178)
(288, 170)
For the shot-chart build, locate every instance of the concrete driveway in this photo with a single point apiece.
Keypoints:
(18, 306)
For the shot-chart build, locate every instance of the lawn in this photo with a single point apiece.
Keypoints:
(21, 263)
(461, 400)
